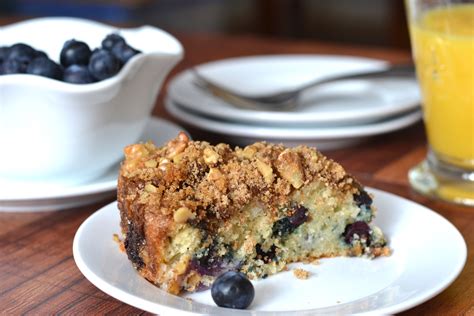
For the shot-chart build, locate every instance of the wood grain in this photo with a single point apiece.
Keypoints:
(38, 274)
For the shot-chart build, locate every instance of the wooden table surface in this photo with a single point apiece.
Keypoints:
(37, 271)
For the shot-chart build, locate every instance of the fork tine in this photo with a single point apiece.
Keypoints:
(220, 92)
(230, 97)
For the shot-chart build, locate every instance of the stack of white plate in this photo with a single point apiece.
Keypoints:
(328, 116)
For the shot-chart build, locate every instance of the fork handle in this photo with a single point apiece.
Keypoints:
(401, 70)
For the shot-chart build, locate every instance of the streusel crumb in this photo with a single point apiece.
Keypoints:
(301, 274)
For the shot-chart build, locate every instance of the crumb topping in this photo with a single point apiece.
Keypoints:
(199, 180)
(301, 274)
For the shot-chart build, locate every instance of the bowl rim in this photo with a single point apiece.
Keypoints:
(45, 82)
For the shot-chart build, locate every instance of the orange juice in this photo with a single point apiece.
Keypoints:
(443, 49)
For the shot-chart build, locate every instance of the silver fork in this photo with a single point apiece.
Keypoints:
(286, 100)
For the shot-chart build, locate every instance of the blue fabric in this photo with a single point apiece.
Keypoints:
(109, 12)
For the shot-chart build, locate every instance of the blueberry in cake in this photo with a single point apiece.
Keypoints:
(191, 211)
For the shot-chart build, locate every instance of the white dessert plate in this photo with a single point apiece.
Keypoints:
(428, 255)
(343, 103)
(42, 196)
(324, 138)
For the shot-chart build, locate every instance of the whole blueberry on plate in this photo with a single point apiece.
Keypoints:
(77, 74)
(233, 290)
(124, 52)
(22, 52)
(75, 53)
(45, 67)
(112, 39)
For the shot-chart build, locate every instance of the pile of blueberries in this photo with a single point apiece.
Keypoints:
(78, 63)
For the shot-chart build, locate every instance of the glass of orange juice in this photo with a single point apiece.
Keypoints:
(442, 38)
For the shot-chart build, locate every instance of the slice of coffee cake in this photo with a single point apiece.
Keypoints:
(191, 211)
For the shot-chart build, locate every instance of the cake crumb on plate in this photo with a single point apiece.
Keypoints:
(119, 242)
(301, 274)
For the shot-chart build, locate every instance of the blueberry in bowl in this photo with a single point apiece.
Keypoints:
(110, 40)
(73, 120)
(78, 74)
(16, 58)
(123, 52)
(13, 66)
(43, 66)
(22, 53)
(103, 64)
(4, 51)
(75, 53)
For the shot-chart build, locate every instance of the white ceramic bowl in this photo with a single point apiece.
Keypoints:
(69, 133)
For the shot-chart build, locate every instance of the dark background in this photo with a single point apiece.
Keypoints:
(366, 22)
